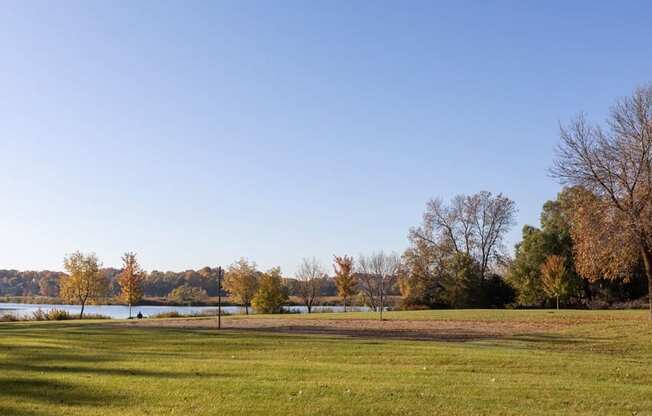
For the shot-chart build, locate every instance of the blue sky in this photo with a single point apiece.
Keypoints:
(195, 133)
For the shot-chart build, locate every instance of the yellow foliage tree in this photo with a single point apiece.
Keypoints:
(131, 280)
(241, 281)
(554, 277)
(271, 295)
(84, 283)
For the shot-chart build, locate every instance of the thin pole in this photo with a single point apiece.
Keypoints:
(219, 297)
(382, 292)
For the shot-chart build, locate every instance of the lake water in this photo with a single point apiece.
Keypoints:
(122, 312)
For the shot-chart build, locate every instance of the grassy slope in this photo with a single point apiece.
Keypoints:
(63, 368)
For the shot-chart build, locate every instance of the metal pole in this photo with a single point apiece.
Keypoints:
(219, 297)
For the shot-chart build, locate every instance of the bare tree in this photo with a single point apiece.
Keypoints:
(614, 164)
(474, 225)
(309, 280)
(376, 275)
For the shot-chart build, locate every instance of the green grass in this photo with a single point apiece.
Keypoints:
(601, 365)
(473, 315)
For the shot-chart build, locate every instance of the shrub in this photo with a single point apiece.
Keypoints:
(58, 315)
(209, 312)
(597, 304)
(9, 317)
(641, 303)
(39, 315)
(170, 314)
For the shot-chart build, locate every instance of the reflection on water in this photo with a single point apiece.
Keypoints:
(122, 312)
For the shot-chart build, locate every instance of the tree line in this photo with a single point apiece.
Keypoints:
(593, 245)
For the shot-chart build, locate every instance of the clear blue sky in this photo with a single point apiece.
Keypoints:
(197, 132)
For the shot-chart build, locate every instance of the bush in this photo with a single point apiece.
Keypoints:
(170, 314)
(209, 312)
(597, 304)
(39, 315)
(9, 317)
(414, 307)
(58, 315)
(641, 303)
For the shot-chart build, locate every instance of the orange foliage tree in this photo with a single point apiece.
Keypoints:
(611, 167)
(345, 279)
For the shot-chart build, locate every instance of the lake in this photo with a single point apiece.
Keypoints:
(122, 312)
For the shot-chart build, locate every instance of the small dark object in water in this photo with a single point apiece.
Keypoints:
(139, 316)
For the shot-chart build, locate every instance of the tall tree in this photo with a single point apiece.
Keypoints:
(377, 275)
(554, 277)
(474, 225)
(310, 276)
(421, 275)
(271, 294)
(345, 279)
(612, 225)
(552, 238)
(131, 280)
(241, 281)
(84, 283)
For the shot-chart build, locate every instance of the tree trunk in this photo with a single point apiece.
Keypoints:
(557, 302)
(309, 307)
(246, 309)
(344, 303)
(647, 262)
(130, 311)
(81, 314)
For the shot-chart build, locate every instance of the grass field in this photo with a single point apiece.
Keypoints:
(511, 363)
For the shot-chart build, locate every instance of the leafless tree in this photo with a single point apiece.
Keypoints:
(614, 164)
(474, 225)
(310, 276)
(376, 275)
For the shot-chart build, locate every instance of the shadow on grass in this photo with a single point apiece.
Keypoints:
(46, 393)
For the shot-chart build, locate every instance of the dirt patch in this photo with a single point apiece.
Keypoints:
(441, 330)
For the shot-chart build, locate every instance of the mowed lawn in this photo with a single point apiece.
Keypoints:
(587, 363)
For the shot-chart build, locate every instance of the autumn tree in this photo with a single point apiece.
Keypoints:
(309, 281)
(474, 225)
(462, 281)
(241, 281)
(271, 293)
(611, 166)
(345, 279)
(130, 280)
(187, 295)
(377, 275)
(468, 228)
(83, 283)
(48, 284)
(421, 274)
(553, 237)
(554, 277)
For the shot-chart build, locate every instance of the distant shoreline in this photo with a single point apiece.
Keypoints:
(29, 300)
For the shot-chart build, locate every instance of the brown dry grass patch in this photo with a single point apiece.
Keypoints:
(439, 330)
